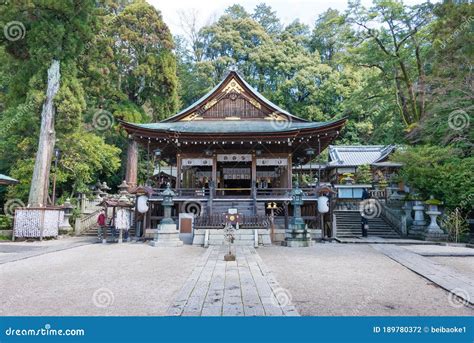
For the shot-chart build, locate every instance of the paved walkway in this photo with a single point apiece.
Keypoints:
(15, 251)
(444, 276)
(242, 288)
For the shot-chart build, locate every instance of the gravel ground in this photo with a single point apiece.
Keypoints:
(355, 280)
(464, 265)
(112, 279)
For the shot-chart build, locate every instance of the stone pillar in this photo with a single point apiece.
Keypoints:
(132, 163)
(418, 227)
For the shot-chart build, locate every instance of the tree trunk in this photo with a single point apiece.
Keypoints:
(132, 163)
(40, 180)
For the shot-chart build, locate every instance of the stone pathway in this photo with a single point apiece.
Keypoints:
(245, 287)
(444, 276)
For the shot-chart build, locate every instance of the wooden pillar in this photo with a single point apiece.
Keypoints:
(132, 163)
(214, 170)
(254, 174)
(178, 171)
(290, 171)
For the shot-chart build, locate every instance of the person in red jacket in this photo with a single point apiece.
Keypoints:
(102, 222)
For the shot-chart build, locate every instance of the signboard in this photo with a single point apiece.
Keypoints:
(196, 162)
(234, 158)
(272, 161)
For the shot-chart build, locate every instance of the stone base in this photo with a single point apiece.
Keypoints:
(66, 230)
(167, 236)
(229, 257)
(166, 243)
(416, 231)
(294, 243)
(435, 236)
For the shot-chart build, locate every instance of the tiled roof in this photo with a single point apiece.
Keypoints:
(228, 126)
(7, 180)
(356, 155)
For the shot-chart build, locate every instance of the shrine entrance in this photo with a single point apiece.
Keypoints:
(234, 175)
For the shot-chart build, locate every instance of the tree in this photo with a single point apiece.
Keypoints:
(438, 171)
(146, 66)
(397, 49)
(267, 18)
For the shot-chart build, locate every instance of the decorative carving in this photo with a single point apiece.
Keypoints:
(192, 116)
(210, 104)
(233, 86)
(276, 116)
(255, 103)
(233, 96)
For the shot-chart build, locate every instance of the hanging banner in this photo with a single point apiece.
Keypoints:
(272, 161)
(234, 158)
(196, 162)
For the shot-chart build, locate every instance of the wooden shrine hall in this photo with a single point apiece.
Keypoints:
(231, 148)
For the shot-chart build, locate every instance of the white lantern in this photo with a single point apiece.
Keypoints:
(142, 204)
(323, 204)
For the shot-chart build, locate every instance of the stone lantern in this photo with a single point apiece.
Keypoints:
(167, 203)
(167, 234)
(65, 227)
(297, 234)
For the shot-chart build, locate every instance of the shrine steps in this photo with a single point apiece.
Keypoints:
(349, 225)
(245, 207)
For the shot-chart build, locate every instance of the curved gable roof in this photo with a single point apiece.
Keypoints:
(214, 96)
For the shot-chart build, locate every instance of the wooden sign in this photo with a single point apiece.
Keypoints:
(234, 158)
(272, 161)
(197, 162)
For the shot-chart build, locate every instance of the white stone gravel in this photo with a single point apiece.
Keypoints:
(127, 279)
(354, 280)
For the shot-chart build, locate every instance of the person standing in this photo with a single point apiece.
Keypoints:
(102, 222)
(364, 220)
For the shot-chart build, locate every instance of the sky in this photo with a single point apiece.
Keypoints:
(287, 10)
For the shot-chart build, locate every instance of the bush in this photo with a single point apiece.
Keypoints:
(6, 223)
(438, 171)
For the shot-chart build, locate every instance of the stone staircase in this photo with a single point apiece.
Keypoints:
(349, 225)
(244, 207)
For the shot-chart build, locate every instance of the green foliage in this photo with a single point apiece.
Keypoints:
(438, 171)
(364, 174)
(456, 225)
(6, 222)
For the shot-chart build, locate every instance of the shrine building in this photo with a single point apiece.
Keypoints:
(232, 148)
